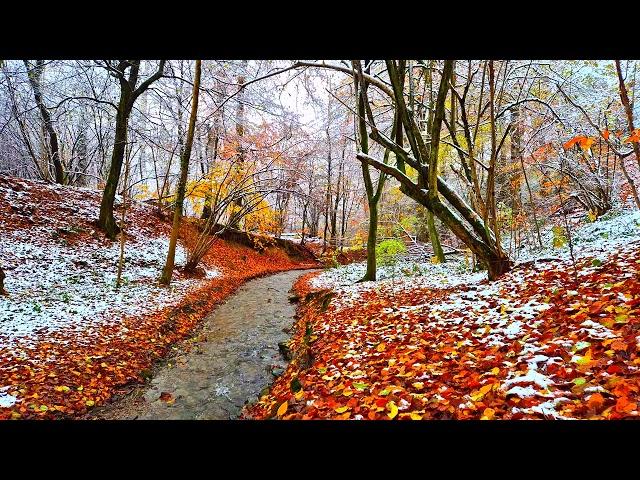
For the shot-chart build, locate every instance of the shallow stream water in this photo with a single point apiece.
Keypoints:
(234, 359)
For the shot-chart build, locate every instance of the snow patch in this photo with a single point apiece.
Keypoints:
(6, 400)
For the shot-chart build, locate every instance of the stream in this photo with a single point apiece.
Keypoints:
(230, 364)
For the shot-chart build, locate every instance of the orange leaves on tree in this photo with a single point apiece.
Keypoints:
(583, 141)
(634, 137)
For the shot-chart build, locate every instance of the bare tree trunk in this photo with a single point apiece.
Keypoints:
(129, 92)
(84, 179)
(373, 193)
(35, 77)
(434, 238)
(167, 272)
(240, 128)
(304, 219)
(106, 220)
(336, 203)
(628, 108)
(328, 194)
(42, 172)
(2, 277)
(456, 214)
(122, 220)
(490, 218)
(533, 207)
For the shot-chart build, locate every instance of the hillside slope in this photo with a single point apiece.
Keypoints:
(552, 339)
(68, 336)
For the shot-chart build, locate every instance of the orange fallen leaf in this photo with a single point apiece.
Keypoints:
(488, 414)
(623, 405)
(619, 345)
(282, 409)
(595, 401)
(167, 397)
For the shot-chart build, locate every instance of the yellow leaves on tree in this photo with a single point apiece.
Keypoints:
(263, 219)
(222, 180)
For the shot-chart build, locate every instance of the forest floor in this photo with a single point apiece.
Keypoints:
(549, 340)
(69, 339)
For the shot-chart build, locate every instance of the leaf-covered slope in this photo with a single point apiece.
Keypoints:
(532, 345)
(68, 337)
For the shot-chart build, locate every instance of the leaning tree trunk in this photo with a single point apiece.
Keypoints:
(2, 277)
(456, 214)
(167, 272)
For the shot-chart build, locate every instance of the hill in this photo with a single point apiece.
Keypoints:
(68, 337)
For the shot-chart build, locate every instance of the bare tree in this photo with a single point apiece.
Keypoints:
(35, 78)
(167, 272)
(130, 91)
(456, 214)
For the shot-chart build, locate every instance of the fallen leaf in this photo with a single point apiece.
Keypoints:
(282, 409)
(393, 410)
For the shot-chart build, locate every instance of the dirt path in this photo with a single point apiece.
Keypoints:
(230, 362)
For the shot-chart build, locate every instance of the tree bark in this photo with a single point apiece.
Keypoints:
(437, 118)
(240, 129)
(371, 242)
(628, 108)
(106, 220)
(129, 92)
(167, 272)
(373, 196)
(35, 76)
(123, 218)
(434, 238)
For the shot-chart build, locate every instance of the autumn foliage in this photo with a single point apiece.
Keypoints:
(394, 355)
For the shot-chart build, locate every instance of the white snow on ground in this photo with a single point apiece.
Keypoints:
(503, 324)
(613, 230)
(610, 232)
(54, 286)
(6, 400)
(428, 274)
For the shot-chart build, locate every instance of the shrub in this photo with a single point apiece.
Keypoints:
(387, 252)
(559, 239)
